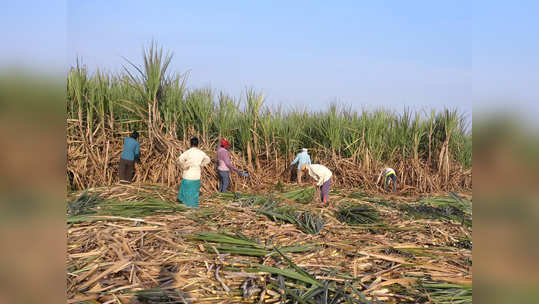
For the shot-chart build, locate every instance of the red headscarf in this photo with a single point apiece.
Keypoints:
(224, 143)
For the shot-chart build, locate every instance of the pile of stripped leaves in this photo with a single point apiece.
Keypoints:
(295, 284)
(303, 195)
(356, 214)
(91, 207)
(83, 203)
(445, 293)
(241, 245)
(307, 289)
(306, 221)
(448, 208)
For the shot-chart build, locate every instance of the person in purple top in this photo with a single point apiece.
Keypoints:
(224, 166)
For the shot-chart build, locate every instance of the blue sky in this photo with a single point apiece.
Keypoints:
(419, 54)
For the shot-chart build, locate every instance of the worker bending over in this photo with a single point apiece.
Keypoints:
(191, 162)
(322, 176)
(389, 175)
(301, 159)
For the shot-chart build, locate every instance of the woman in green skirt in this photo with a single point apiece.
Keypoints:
(191, 162)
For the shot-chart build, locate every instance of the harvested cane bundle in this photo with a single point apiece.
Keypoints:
(246, 200)
(447, 212)
(309, 223)
(307, 288)
(83, 203)
(274, 212)
(305, 221)
(241, 245)
(90, 207)
(357, 214)
(135, 209)
(442, 293)
(304, 195)
(283, 214)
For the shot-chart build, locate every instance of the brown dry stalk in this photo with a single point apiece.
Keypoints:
(95, 163)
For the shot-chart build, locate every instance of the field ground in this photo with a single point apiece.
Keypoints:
(262, 248)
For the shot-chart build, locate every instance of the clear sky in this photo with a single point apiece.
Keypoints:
(308, 53)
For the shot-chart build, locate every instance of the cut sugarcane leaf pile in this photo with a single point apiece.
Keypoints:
(157, 295)
(448, 293)
(455, 204)
(299, 286)
(242, 245)
(303, 195)
(463, 243)
(357, 214)
(245, 200)
(275, 213)
(83, 203)
(372, 199)
(155, 258)
(309, 222)
(448, 212)
(91, 207)
(306, 221)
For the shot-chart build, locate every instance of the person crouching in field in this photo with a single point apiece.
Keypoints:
(322, 176)
(191, 162)
(301, 159)
(389, 175)
(225, 166)
(130, 155)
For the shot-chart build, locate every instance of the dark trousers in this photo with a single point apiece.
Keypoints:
(127, 170)
(224, 180)
(392, 177)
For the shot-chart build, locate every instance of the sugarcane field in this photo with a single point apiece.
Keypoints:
(179, 194)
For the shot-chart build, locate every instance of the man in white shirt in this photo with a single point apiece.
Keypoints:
(322, 176)
(191, 162)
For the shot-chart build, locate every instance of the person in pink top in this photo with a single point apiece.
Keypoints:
(225, 166)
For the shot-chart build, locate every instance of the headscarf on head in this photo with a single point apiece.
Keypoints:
(224, 143)
(304, 149)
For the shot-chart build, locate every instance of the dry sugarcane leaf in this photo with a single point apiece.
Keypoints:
(112, 269)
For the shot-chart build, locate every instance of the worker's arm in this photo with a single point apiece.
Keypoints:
(181, 160)
(228, 163)
(379, 177)
(295, 160)
(320, 181)
(308, 159)
(205, 160)
(316, 177)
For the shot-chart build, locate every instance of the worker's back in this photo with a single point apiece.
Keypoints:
(131, 148)
(387, 171)
(191, 161)
(301, 159)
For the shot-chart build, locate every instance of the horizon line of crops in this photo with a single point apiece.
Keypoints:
(152, 99)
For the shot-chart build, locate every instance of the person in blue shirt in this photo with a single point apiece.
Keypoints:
(130, 155)
(301, 159)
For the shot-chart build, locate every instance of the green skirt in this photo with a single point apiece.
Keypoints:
(189, 192)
